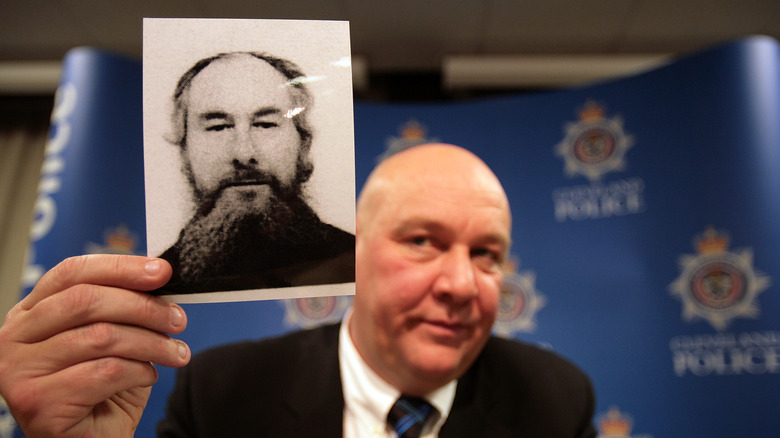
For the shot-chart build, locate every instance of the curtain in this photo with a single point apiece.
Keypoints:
(24, 123)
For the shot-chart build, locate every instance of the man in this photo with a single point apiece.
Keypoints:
(240, 120)
(432, 232)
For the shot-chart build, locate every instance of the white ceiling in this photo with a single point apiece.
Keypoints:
(409, 35)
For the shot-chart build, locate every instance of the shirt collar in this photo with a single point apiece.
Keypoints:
(369, 395)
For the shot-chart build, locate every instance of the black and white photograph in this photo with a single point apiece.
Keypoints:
(249, 157)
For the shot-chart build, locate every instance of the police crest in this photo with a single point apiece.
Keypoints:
(595, 145)
(116, 240)
(314, 311)
(518, 303)
(412, 134)
(615, 424)
(718, 285)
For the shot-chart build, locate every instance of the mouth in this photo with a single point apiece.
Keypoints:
(239, 189)
(244, 187)
(447, 330)
(244, 190)
(245, 182)
(247, 190)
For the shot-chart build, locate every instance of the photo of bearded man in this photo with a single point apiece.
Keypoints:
(240, 121)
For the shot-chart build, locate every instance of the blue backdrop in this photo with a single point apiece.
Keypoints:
(645, 226)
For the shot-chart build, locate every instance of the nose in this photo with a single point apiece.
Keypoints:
(456, 279)
(243, 149)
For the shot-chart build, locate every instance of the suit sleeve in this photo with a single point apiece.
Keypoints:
(587, 429)
(178, 414)
(516, 389)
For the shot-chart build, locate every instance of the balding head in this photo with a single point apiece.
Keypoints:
(444, 167)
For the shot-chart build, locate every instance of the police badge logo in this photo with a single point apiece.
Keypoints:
(116, 240)
(518, 303)
(615, 424)
(595, 145)
(718, 285)
(314, 311)
(412, 134)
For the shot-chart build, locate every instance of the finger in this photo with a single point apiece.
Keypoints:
(103, 377)
(123, 271)
(94, 341)
(71, 394)
(85, 304)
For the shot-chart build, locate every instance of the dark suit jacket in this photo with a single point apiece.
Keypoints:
(290, 387)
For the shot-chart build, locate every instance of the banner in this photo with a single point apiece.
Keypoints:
(646, 245)
(90, 196)
(645, 232)
(91, 192)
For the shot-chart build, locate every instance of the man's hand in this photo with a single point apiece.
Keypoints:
(76, 354)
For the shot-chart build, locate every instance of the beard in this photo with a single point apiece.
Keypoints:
(233, 233)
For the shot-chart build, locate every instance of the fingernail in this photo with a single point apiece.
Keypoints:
(176, 316)
(181, 349)
(153, 267)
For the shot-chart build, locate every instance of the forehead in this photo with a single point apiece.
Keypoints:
(476, 211)
(238, 82)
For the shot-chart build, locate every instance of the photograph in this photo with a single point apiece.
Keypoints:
(249, 157)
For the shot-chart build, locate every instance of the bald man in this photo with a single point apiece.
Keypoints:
(433, 229)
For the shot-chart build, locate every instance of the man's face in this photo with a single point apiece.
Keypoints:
(240, 137)
(428, 281)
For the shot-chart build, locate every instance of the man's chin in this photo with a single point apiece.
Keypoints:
(253, 196)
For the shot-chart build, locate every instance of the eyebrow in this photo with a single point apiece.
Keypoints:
(213, 115)
(407, 226)
(266, 111)
(222, 115)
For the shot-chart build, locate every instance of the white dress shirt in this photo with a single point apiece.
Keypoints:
(368, 398)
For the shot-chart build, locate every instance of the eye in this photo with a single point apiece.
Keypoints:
(219, 127)
(420, 247)
(420, 241)
(487, 258)
(265, 124)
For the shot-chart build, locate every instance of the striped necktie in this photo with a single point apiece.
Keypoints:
(408, 415)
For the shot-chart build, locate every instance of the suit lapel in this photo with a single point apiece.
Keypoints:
(471, 413)
(315, 398)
